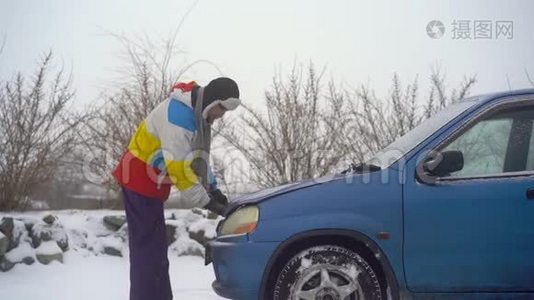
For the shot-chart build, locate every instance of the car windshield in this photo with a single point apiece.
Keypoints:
(392, 153)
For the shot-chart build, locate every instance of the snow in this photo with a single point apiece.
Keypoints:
(204, 225)
(19, 253)
(48, 248)
(2, 235)
(112, 241)
(183, 243)
(100, 277)
(86, 273)
(19, 230)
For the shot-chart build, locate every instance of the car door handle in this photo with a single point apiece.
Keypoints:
(530, 194)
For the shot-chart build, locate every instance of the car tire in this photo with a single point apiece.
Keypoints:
(328, 272)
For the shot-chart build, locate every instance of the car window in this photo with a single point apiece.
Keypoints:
(499, 144)
(530, 159)
(410, 140)
(484, 147)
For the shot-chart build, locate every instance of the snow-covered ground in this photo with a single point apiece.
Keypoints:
(89, 274)
(100, 277)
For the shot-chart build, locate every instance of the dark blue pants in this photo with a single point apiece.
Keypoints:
(149, 265)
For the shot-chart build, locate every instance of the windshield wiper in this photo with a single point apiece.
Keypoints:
(361, 168)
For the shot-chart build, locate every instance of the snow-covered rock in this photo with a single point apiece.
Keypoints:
(4, 243)
(202, 231)
(114, 222)
(24, 253)
(112, 251)
(42, 232)
(5, 264)
(170, 233)
(49, 219)
(183, 244)
(112, 245)
(48, 252)
(18, 234)
(84, 233)
(6, 227)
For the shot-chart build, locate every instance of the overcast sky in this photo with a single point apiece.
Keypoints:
(358, 41)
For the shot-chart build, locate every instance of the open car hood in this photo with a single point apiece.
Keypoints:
(268, 193)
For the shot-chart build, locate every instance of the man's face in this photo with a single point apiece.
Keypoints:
(215, 113)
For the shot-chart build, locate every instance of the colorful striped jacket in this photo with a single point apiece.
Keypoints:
(159, 154)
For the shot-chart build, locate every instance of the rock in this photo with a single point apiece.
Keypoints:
(114, 222)
(28, 260)
(9, 227)
(170, 232)
(4, 244)
(44, 233)
(45, 236)
(112, 251)
(45, 259)
(6, 227)
(29, 227)
(199, 236)
(63, 243)
(193, 252)
(212, 216)
(122, 233)
(5, 265)
(205, 213)
(49, 219)
(24, 253)
(36, 241)
(48, 252)
(198, 211)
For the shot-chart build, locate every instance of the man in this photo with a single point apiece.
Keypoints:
(170, 147)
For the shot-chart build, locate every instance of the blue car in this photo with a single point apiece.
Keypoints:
(446, 211)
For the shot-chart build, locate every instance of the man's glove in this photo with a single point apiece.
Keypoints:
(219, 197)
(215, 206)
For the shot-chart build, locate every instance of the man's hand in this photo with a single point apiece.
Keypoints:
(216, 206)
(219, 197)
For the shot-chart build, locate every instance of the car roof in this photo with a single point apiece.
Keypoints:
(484, 98)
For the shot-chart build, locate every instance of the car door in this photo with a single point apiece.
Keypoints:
(473, 230)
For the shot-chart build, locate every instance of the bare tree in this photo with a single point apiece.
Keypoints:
(144, 81)
(438, 97)
(35, 133)
(307, 132)
(527, 74)
(3, 43)
(375, 122)
(295, 138)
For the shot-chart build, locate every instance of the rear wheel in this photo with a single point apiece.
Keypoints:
(327, 273)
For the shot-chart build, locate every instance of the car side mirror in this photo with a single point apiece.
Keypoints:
(444, 163)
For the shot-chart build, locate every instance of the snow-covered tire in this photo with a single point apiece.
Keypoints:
(328, 272)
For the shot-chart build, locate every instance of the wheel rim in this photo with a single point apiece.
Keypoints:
(328, 282)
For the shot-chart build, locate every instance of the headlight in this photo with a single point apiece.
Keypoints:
(244, 220)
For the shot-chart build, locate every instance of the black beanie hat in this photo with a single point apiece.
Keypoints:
(221, 90)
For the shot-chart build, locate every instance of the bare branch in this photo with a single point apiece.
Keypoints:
(528, 78)
(37, 132)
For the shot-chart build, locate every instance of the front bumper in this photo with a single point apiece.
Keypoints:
(239, 265)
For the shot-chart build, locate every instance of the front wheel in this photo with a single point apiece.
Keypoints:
(327, 273)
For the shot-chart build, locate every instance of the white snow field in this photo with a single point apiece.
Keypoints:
(100, 277)
(88, 274)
